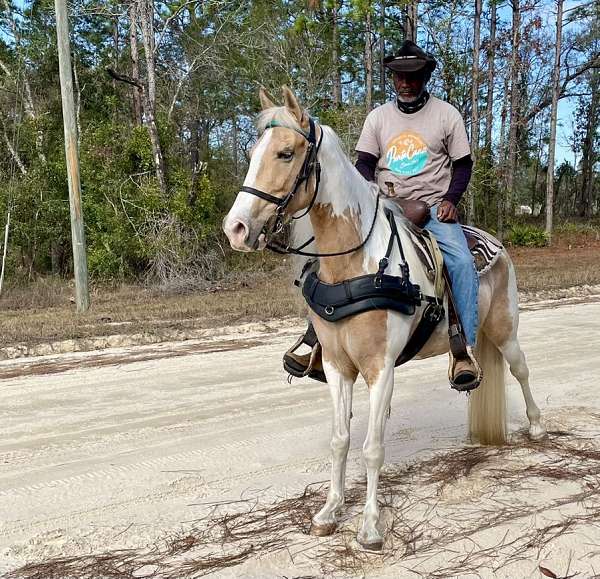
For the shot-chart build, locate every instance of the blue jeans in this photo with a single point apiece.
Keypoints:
(463, 275)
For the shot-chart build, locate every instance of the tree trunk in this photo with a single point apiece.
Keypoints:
(335, 56)
(5, 248)
(588, 152)
(195, 159)
(235, 147)
(410, 20)
(489, 124)
(115, 63)
(474, 103)
(382, 53)
(147, 26)
(28, 100)
(553, 117)
(511, 167)
(368, 56)
(502, 158)
(136, 96)
(14, 153)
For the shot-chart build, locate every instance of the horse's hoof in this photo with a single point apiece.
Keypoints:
(322, 530)
(376, 546)
(537, 433)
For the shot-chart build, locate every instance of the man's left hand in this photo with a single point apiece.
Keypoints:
(447, 212)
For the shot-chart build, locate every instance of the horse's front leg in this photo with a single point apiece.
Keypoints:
(340, 388)
(380, 395)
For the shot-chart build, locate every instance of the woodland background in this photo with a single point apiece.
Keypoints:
(166, 93)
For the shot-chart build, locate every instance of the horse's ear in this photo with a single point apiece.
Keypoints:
(265, 99)
(291, 103)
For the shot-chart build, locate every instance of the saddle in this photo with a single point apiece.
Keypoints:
(484, 247)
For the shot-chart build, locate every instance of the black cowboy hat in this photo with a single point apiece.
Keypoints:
(410, 58)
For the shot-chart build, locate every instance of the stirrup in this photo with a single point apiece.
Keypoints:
(465, 381)
(297, 365)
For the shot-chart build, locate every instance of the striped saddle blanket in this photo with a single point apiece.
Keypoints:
(485, 248)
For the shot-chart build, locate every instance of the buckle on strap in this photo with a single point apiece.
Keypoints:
(434, 313)
(454, 330)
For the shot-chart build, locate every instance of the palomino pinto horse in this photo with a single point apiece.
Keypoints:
(344, 214)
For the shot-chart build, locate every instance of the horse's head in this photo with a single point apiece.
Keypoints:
(280, 179)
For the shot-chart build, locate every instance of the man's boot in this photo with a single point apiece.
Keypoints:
(309, 364)
(464, 372)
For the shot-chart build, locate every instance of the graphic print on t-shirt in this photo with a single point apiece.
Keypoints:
(407, 154)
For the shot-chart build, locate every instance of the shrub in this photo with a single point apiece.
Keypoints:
(526, 235)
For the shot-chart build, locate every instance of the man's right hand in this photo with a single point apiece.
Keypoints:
(447, 212)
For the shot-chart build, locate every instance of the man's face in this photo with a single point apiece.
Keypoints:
(409, 85)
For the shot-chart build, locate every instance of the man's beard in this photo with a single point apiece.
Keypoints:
(412, 97)
(414, 104)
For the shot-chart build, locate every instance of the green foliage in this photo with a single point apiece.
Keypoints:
(211, 57)
(527, 236)
(485, 187)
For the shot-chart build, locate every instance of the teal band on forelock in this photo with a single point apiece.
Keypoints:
(273, 124)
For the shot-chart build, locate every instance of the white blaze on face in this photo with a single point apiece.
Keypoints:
(238, 222)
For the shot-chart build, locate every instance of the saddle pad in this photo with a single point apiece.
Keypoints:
(485, 248)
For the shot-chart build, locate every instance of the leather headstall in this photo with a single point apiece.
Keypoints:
(309, 165)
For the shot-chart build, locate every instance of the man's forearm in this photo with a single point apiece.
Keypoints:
(461, 175)
(366, 165)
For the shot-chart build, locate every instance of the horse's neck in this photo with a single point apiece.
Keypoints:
(342, 219)
(342, 216)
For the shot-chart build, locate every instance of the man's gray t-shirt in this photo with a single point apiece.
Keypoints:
(415, 150)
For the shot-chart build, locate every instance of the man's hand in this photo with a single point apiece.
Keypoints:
(447, 212)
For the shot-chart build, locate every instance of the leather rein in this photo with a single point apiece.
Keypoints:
(311, 164)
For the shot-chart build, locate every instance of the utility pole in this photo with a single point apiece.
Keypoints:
(553, 118)
(82, 294)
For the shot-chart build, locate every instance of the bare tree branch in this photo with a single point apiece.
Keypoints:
(124, 78)
(546, 102)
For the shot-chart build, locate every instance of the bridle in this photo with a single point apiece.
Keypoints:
(311, 164)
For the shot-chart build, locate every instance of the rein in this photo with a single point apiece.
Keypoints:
(309, 165)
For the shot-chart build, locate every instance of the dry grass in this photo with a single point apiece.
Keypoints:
(426, 536)
(45, 312)
(549, 268)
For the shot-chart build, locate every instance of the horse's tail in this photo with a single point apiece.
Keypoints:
(487, 408)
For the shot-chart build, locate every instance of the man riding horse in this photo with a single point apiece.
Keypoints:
(416, 148)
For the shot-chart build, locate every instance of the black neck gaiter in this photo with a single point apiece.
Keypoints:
(414, 106)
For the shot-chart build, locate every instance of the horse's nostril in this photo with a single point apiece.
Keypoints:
(239, 230)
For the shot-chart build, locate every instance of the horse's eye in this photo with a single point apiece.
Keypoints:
(285, 155)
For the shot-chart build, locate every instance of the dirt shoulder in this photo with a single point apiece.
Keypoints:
(42, 320)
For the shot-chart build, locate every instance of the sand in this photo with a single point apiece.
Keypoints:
(120, 449)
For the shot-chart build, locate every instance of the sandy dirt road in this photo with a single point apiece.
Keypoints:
(117, 451)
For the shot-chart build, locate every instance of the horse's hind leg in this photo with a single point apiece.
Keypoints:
(511, 350)
(501, 326)
(340, 388)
